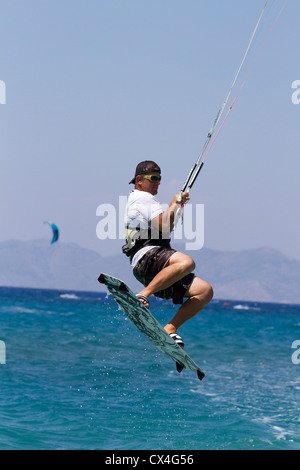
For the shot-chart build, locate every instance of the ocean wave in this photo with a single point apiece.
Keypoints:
(245, 307)
(69, 296)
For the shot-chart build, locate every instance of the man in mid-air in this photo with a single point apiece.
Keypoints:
(164, 272)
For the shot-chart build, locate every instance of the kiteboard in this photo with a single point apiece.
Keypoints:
(148, 325)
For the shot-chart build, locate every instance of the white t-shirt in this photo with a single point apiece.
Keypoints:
(141, 208)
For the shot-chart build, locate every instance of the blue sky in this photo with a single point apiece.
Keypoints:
(93, 87)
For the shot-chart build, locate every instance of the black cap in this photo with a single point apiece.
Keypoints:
(144, 168)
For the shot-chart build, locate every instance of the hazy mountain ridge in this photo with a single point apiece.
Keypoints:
(258, 275)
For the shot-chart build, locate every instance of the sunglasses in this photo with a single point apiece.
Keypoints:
(152, 177)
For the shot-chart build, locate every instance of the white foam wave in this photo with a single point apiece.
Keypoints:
(69, 296)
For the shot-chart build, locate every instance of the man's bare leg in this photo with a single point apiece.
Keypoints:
(199, 295)
(179, 266)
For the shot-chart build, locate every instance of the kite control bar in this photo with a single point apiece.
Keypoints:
(192, 177)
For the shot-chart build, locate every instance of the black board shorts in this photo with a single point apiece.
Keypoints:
(151, 264)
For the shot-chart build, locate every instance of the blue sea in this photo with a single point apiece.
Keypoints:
(77, 374)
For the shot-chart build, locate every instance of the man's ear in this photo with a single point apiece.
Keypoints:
(138, 179)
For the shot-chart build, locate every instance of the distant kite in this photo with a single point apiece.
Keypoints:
(55, 231)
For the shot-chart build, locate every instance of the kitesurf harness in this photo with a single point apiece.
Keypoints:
(139, 238)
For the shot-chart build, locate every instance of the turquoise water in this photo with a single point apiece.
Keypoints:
(79, 375)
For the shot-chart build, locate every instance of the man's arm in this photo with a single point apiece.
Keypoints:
(164, 222)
